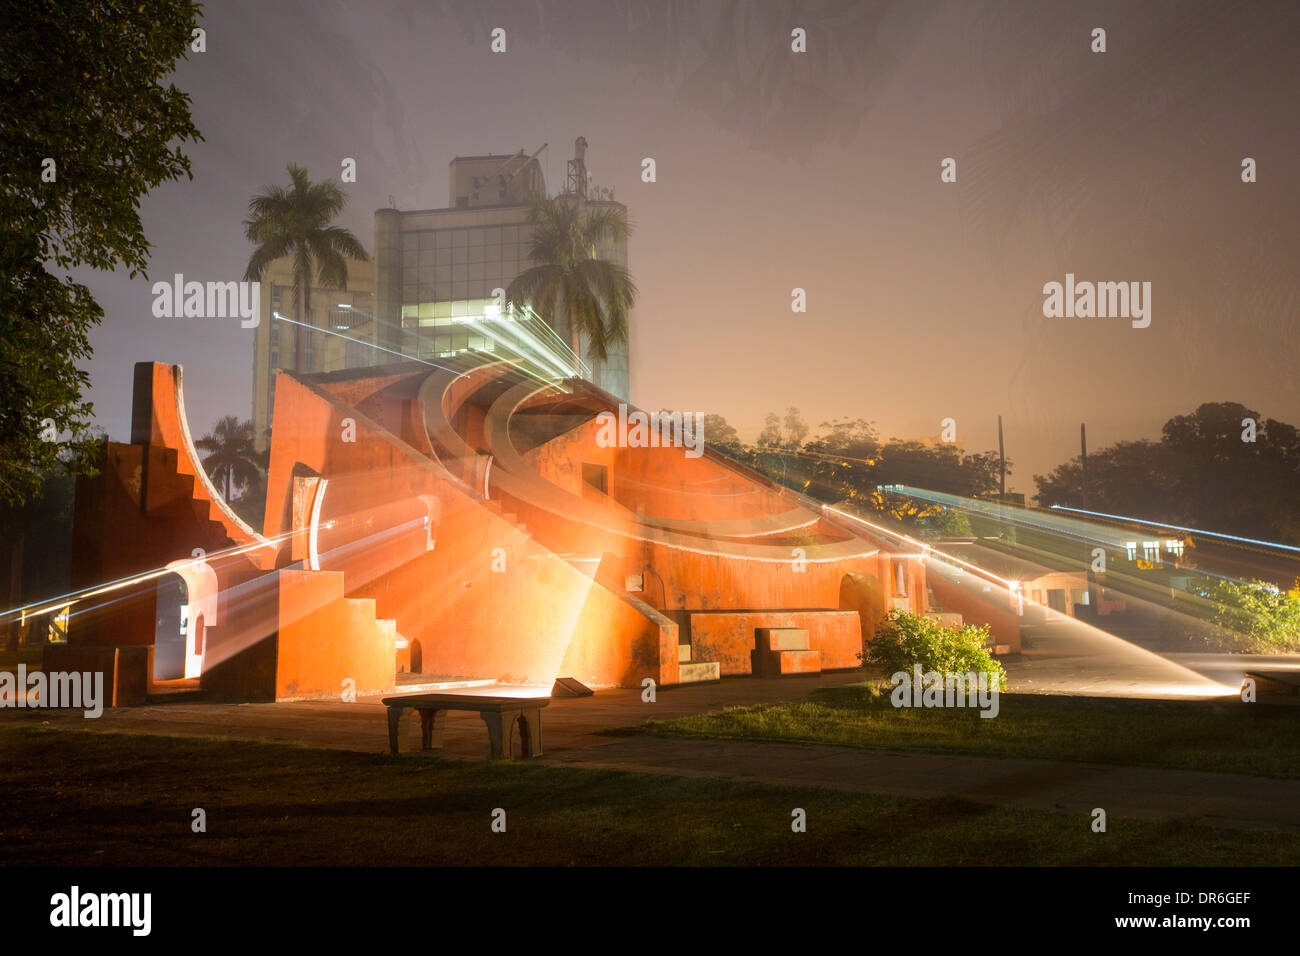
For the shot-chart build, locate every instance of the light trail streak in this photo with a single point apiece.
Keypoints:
(348, 338)
(548, 359)
(1063, 527)
(404, 357)
(1021, 517)
(73, 597)
(1175, 527)
(925, 548)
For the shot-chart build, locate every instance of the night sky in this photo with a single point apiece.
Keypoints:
(816, 170)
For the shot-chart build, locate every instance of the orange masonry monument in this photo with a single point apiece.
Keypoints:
(454, 523)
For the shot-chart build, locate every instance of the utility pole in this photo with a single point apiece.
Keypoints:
(1083, 461)
(1002, 462)
(1094, 590)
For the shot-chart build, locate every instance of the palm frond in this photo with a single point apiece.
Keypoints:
(536, 287)
(274, 247)
(295, 221)
(571, 286)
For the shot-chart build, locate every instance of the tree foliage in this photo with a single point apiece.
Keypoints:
(847, 462)
(88, 126)
(570, 284)
(720, 433)
(1258, 617)
(297, 221)
(232, 459)
(903, 639)
(1201, 473)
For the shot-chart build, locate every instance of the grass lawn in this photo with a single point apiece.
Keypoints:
(78, 797)
(1192, 735)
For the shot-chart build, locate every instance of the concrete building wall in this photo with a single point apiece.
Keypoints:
(274, 342)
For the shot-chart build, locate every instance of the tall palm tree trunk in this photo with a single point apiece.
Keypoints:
(300, 332)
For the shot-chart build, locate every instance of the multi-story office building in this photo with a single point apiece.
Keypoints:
(435, 275)
(346, 314)
(436, 270)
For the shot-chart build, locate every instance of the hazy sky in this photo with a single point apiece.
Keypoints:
(818, 170)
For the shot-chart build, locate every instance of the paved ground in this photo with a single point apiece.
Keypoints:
(573, 738)
(568, 722)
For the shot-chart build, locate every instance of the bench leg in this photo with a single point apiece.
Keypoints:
(432, 724)
(498, 734)
(394, 724)
(532, 732)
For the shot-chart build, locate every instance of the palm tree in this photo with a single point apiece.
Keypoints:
(296, 221)
(570, 285)
(232, 460)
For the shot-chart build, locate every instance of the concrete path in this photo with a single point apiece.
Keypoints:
(567, 723)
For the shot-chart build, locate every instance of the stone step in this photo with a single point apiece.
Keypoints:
(683, 653)
(699, 672)
(784, 663)
(781, 638)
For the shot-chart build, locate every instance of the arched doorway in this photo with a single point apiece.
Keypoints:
(866, 595)
(171, 620)
(198, 612)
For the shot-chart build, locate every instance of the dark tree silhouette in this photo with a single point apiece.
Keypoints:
(570, 286)
(296, 222)
(232, 459)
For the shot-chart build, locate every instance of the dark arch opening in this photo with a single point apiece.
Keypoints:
(525, 737)
(172, 595)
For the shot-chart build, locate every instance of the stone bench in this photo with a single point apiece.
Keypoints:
(501, 714)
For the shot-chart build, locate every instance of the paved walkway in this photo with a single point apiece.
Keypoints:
(573, 738)
(568, 723)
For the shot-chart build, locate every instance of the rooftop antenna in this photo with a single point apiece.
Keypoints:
(577, 181)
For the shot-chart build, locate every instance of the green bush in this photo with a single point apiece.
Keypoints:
(904, 639)
(944, 523)
(1255, 617)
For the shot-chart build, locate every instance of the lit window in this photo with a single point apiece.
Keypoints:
(1131, 548)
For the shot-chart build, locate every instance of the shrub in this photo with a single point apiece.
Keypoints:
(904, 639)
(1255, 616)
(944, 523)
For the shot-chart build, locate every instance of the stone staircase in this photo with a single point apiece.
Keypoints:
(308, 621)
(695, 672)
(172, 488)
(508, 516)
(783, 651)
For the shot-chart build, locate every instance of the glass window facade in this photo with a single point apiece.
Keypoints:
(448, 277)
